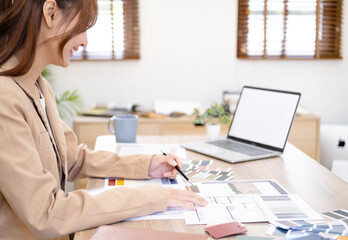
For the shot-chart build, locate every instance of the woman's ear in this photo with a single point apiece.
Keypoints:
(50, 10)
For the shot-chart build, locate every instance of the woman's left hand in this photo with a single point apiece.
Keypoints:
(164, 166)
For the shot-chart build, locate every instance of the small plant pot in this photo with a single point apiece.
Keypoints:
(213, 131)
(199, 122)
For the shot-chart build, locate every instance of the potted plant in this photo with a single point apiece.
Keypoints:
(68, 103)
(198, 120)
(215, 116)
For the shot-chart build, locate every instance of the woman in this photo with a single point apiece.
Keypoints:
(39, 153)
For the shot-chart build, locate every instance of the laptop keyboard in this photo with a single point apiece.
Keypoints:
(241, 148)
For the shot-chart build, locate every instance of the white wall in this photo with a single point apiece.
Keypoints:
(188, 51)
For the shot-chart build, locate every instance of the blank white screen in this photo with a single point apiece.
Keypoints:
(264, 116)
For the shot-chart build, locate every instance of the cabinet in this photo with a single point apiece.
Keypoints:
(304, 133)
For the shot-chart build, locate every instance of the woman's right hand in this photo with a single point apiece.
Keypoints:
(185, 199)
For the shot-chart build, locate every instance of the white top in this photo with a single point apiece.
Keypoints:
(42, 98)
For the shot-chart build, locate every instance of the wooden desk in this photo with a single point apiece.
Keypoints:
(295, 171)
(304, 133)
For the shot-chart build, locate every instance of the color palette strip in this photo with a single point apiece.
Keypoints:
(112, 182)
(203, 170)
(335, 229)
(166, 181)
(194, 189)
(337, 214)
(120, 182)
(115, 182)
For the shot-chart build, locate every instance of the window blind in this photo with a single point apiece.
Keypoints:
(115, 35)
(275, 29)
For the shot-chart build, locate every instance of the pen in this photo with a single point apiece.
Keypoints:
(179, 170)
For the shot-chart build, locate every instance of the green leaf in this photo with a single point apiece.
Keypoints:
(216, 114)
(68, 104)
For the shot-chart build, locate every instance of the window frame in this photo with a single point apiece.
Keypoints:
(322, 11)
(131, 36)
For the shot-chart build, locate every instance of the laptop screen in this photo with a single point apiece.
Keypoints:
(264, 116)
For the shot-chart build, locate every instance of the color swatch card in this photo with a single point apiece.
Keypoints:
(291, 224)
(317, 230)
(337, 214)
(209, 175)
(202, 170)
(225, 229)
(257, 187)
(285, 233)
(196, 164)
(120, 182)
(338, 227)
(243, 187)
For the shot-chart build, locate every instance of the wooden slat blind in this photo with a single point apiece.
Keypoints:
(116, 33)
(283, 29)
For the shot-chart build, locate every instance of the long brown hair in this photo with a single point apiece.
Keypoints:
(20, 26)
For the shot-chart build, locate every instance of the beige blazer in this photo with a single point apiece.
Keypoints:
(36, 163)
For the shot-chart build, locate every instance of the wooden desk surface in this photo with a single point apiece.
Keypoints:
(295, 171)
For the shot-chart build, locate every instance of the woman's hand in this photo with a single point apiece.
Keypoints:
(164, 166)
(186, 199)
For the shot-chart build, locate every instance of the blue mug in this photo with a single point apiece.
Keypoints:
(125, 128)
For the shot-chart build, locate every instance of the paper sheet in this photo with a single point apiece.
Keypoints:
(227, 209)
(244, 201)
(251, 208)
(170, 213)
(119, 182)
(133, 148)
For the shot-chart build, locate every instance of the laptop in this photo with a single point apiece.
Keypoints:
(259, 129)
